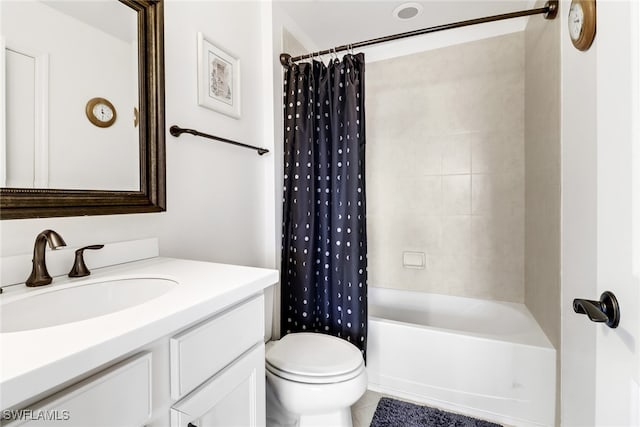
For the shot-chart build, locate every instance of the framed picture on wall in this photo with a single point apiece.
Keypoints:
(218, 79)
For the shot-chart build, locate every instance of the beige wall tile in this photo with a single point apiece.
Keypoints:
(497, 151)
(542, 184)
(497, 194)
(427, 157)
(453, 274)
(497, 237)
(482, 194)
(456, 154)
(456, 194)
(542, 169)
(445, 169)
(492, 277)
(456, 235)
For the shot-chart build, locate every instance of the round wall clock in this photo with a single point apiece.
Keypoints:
(582, 23)
(101, 112)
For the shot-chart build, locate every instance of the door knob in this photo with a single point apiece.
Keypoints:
(607, 310)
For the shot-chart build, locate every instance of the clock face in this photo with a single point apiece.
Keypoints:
(582, 23)
(101, 112)
(576, 20)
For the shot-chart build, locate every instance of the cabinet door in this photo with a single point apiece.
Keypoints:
(233, 397)
(119, 396)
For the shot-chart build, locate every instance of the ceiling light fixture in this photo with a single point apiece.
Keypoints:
(407, 11)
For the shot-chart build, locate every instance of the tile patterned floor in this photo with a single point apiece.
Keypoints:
(362, 411)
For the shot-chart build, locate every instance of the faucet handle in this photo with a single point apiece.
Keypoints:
(79, 268)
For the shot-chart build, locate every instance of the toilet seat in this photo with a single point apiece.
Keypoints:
(314, 358)
(327, 379)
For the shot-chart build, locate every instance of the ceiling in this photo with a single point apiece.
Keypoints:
(330, 23)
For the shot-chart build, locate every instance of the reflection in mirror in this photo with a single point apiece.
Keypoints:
(82, 158)
(59, 55)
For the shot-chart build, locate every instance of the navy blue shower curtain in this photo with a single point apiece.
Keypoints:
(324, 241)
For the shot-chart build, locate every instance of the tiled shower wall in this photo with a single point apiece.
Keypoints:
(445, 169)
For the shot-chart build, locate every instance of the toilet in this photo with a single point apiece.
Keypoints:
(312, 380)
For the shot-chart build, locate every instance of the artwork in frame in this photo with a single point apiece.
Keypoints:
(218, 79)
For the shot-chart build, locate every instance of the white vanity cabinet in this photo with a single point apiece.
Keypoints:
(209, 374)
(191, 355)
(218, 366)
(117, 396)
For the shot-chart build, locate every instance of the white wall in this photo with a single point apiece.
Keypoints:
(216, 193)
(216, 204)
(578, 225)
(285, 36)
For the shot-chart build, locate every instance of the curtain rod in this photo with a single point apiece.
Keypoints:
(550, 10)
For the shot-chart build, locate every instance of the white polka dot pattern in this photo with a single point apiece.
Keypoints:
(324, 244)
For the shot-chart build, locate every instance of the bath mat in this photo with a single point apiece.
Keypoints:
(395, 413)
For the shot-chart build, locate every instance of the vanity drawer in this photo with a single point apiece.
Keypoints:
(203, 350)
(118, 396)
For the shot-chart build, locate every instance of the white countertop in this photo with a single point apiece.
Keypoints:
(34, 361)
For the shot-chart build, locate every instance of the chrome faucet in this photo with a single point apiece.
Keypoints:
(39, 274)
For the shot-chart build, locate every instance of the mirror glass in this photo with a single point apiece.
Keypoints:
(59, 56)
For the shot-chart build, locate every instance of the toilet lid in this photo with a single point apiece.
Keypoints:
(313, 355)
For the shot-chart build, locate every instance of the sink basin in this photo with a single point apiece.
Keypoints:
(82, 302)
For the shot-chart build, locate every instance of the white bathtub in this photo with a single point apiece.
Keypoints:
(484, 358)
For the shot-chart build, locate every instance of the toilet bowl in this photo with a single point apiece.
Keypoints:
(312, 380)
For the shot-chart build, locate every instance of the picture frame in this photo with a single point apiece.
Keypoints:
(218, 79)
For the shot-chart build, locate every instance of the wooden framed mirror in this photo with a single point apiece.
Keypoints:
(144, 119)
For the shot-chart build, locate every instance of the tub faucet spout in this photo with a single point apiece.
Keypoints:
(39, 274)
